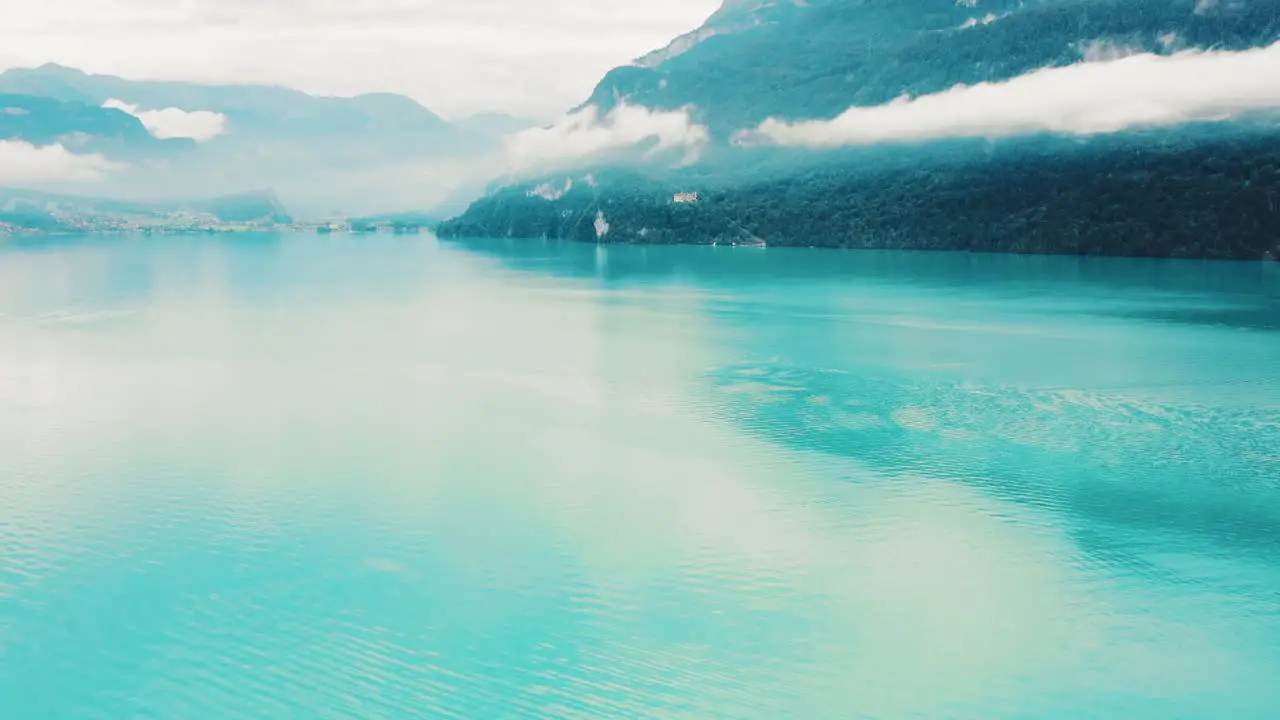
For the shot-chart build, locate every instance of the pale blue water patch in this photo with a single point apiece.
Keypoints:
(386, 477)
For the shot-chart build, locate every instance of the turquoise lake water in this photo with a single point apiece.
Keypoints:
(390, 477)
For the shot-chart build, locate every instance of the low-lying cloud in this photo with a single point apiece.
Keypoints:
(199, 125)
(1090, 97)
(22, 163)
(586, 134)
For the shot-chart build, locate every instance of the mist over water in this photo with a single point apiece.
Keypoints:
(390, 477)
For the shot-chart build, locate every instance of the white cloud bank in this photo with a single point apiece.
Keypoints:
(199, 125)
(24, 163)
(1091, 97)
(585, 134)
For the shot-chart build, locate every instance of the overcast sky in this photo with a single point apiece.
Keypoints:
(531, 57)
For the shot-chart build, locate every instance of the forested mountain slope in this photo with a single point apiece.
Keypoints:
(1207, 186)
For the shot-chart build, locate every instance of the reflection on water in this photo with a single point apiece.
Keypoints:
(375, 477)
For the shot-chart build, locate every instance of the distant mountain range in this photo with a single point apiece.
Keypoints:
(252, 111)
(825, 122)
(1018, 142)
(373, 152)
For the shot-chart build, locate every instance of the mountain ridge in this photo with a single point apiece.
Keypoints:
(815, 60)
(264, 107)
(733, 17)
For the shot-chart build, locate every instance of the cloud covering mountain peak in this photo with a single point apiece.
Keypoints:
(167, 123)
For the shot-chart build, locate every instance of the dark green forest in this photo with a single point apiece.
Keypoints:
(1216, 196)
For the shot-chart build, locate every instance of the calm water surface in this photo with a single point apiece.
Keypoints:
(382, 477)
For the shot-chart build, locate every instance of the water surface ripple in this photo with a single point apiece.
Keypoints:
(388, 477)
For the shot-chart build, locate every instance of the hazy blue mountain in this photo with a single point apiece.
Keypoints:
(80, 127)
(257, 206)
(250, 109)
(802, 59)
(363, 154)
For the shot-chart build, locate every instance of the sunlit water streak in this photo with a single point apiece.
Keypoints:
(374, 477)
